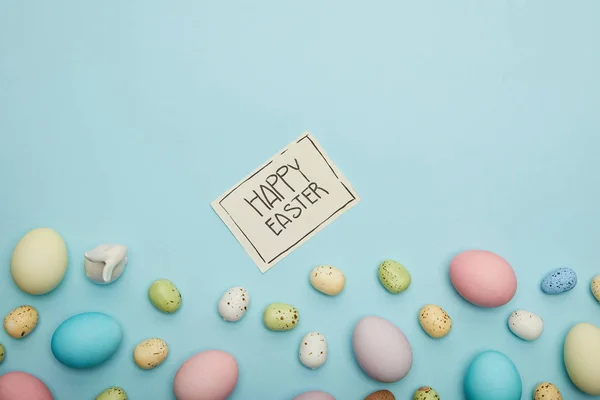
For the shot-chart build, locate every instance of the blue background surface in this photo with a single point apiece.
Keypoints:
(462, 124)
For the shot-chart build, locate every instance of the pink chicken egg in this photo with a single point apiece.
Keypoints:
(23, 386)
(210, 375)
(483, 278)
(315, 395)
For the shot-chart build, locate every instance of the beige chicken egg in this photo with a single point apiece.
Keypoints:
(546, 391)
(21, 321)
(150, 353)
(435, 321)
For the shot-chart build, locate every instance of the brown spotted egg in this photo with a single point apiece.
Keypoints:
(546, 391)
(21, 321)
(435, 321)
(150, 353)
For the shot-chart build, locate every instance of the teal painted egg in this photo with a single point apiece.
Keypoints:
(492, 376)
(86, 340)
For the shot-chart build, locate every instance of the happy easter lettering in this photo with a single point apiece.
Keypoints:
(276, 190)
(285, 202)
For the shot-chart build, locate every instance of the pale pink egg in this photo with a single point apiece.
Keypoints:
(483, 278)
(210, 375)
(315, 395)
(23, 386)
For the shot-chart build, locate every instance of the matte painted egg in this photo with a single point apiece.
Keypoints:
(234, 304)
(381, 395)
(164, 295)
(23, 386)
(150, 353)
(2, 353)
(435, 321)
(558, 281)
(426, 393)
(381, 349)
(313, 350)
(328, 280)
(596, 287)
(113, 393)
(314, 395)
(483, 278)
(210, 375)
(393, 276)
(39, 261)
(492, 376)
(281, 317)
(21, 321)
(582, 357)
(86, 340)
(546, 391)
(525, 324)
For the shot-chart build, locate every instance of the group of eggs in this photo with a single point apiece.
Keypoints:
(381, 349)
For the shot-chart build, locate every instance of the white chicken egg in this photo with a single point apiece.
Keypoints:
(234, 304)
(313, 350)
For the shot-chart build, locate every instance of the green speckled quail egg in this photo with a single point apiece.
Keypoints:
(426, 393)
(2, 352)
(281, 317)
(393, 276)
(113, 393)
(150, 353)
(165, 296)
(234, 304)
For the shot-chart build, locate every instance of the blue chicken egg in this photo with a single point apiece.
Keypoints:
(86, 340)
(492, 376)
(559, 281)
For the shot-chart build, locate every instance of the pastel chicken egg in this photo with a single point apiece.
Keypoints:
(23, 386)
(582, 357)
(210, 375)
(492, 376)
(483, 278)
(234, 304)
(435, 321)
(314, 395)
(39, 261)
(381, 349)
(381, 395)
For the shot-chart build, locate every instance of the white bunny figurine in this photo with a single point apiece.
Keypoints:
(105, 263)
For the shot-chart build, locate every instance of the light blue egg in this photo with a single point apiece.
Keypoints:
(492, 376)
(86, 340)
(559, 281)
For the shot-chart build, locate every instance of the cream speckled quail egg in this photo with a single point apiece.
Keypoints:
(313, 350)
(150, 353)
(546, 391)
(328, 280)
(21, 321)
(234, 304)
(435, 321)
(113, 393)
(596, 287)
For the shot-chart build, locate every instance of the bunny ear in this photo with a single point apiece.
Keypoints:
(97, 254)
(108, 270)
